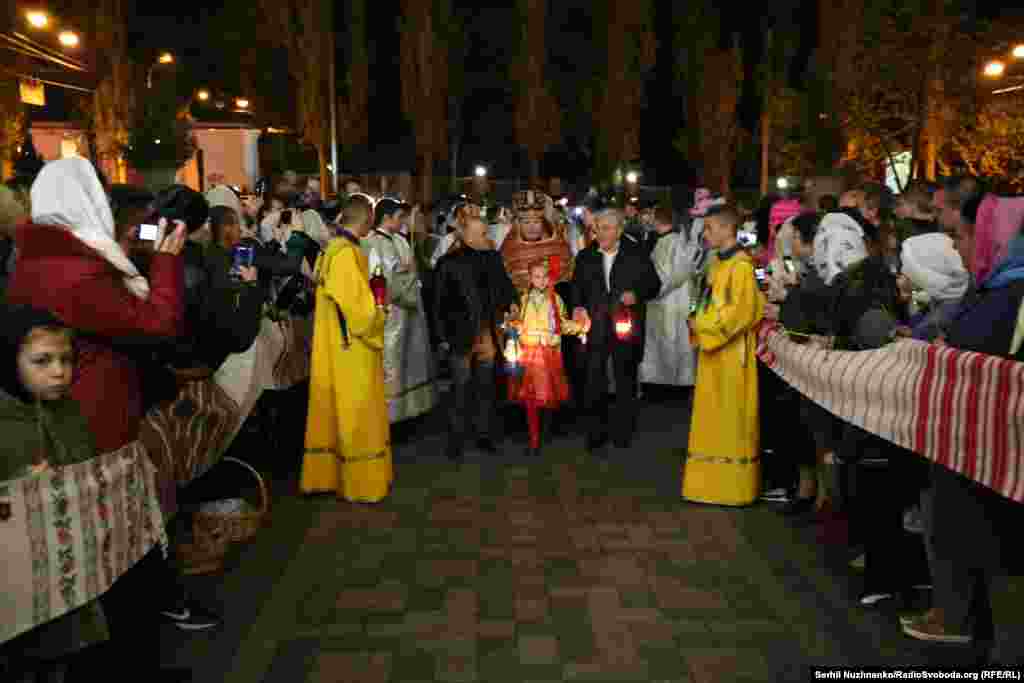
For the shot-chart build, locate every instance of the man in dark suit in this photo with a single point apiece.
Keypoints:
(611, 274)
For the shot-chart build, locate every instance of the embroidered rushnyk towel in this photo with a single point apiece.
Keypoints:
(962, 410)
(69, 533)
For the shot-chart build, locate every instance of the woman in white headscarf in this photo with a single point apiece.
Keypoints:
(932, 265)
(70, 264)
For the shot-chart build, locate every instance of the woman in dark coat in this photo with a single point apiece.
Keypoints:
(974, 530)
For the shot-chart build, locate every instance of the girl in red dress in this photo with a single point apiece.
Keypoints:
(542, 385)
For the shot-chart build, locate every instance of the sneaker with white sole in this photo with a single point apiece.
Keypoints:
(189, 616)
(929, 628)
(869, 599)
(778, 495)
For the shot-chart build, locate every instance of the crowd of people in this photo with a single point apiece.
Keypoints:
(117, 297)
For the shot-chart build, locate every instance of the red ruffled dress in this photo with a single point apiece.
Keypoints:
(543, 383)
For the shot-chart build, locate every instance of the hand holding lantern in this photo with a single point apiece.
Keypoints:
(624, 321)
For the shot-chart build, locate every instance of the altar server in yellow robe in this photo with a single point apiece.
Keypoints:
(723, 464)
(348, 443)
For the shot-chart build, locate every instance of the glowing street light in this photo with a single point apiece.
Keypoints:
(68, 38)
(37, 19)
(203, 95)
(481, 171)
(242, 103)
(1018, 52)
(157, 141)
(782, 183)
(165, 58)
(995, 69)
(632, 177)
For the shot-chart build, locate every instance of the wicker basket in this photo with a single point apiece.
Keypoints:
(238, 527)
(205, 553)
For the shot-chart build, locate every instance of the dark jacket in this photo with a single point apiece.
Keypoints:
(807, 308)
(472, 293)
(979, 526)
(632, 271)
(869, 285)
(232, 312)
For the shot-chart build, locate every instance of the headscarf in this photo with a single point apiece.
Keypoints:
(998, 221)
(313, 225)
(838, 244)
(17, 322)
(68, 194)
(933, 264)
(782, 211)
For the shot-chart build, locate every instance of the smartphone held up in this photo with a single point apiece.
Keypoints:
(148, 232)
(241, 257)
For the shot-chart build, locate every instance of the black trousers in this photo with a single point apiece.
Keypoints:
(619, 421)
(474, 393)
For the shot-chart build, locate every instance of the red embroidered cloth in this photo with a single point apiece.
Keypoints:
(962, 410)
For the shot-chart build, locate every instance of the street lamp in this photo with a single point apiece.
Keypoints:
(163, 58)
(1018, 52)
(37, 19)
(242, 103)
(68, 38)
(481, 171)
(782, 183)
(995, 68)
(203, 95)
(632, 177)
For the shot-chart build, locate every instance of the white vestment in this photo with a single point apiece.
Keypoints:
(408, 362)
(668, 358)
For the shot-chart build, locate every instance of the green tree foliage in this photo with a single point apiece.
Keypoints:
(160, 132)
(992, 145)
(915, 65)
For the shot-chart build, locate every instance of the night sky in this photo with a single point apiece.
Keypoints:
(488, 125)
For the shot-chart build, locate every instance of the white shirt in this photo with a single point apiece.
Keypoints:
(609, 261)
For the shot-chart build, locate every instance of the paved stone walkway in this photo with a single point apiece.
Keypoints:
(561, 569)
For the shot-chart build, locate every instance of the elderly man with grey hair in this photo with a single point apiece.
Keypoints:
(612, 283)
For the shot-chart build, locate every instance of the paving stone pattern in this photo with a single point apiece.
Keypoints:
(565, 568)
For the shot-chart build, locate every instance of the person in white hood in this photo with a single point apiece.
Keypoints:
(932, 265)
(838, 244)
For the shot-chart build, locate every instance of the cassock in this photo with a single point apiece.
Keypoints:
(408, 377)
(348, 446)
(668, 358)
(723, 464)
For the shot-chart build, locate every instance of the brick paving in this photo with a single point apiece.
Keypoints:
(561, 569)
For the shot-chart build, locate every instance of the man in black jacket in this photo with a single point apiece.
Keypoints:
(611, 274)
(473, 294)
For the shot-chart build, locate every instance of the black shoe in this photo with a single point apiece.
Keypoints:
(172, 676)
(596, 443)
(532, 452)
(455, 453)
(487, 446)
(798, 506)
(623, 444)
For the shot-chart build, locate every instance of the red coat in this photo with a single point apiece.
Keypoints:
(57, 272)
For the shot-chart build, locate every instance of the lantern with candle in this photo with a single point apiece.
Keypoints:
(513, 352)
(623, 321)
(379, 287)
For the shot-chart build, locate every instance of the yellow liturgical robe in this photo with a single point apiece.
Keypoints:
(723, 463)
(348, 443)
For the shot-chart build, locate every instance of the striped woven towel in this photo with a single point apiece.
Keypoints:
(70, 532)
(962, 410)
(187, 436)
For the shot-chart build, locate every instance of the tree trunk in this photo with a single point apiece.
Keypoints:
(534, 167)
(766, 138)
(426, 172)
(323, 157)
